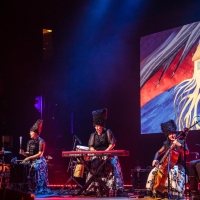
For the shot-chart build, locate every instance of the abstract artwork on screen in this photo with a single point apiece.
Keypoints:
(170, 78)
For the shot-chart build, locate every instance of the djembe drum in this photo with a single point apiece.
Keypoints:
(79, 167)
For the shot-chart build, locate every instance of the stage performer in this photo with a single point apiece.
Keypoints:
(36, 160)
(194, 175)
(103, 139)
(177, 172)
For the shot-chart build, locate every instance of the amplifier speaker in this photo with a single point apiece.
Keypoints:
(139, 178)
(8, 194)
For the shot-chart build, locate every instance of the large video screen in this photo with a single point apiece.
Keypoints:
(170, 78)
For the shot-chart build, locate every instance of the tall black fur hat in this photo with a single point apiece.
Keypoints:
(168, 127)
(37, 127)
(99, 117)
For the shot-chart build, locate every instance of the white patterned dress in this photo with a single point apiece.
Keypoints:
(177, 181)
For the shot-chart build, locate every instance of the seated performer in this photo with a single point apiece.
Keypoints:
(194, 174)
(103, 139)
(177, 172)
(34, 157)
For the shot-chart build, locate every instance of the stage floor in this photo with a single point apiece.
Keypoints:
(100, 198)
(81, 197)
(67, 197)
(72, 194)
(126, 196)
(57, 195)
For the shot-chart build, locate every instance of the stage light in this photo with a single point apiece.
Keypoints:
(38, 103)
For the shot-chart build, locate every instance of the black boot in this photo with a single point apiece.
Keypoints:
(194, 188)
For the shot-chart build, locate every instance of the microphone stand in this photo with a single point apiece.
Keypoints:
(183, 134)
(71, 179)
(184, 147)
(168, 170)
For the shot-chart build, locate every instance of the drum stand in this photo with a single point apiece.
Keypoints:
(71, 179)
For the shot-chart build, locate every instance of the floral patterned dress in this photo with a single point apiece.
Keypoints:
(38, 168)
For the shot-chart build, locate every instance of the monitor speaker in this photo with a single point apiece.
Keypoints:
(8, 194)
(139, 178)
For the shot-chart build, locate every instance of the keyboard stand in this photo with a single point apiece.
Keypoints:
(94, 177)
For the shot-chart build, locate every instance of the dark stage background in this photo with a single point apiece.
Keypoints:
(95, 64)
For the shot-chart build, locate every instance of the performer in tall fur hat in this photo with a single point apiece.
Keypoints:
(34, 157)
(176, 173)
(103, 139)
(168, 127)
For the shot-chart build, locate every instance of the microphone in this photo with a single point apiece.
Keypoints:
(78, 139)
(196, 154)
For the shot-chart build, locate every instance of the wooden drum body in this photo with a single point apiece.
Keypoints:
(19, 173)
(162, 173)
(79, 171)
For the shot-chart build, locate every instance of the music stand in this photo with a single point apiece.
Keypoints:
(71, 179)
